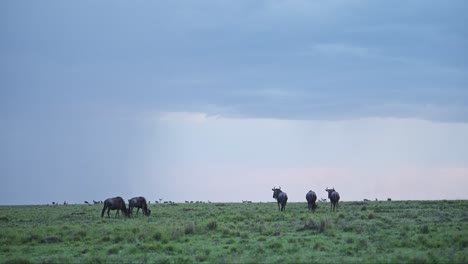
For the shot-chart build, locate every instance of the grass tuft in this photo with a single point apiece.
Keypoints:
(189, 229)
(212, 225)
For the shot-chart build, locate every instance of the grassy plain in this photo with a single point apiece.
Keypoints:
(372, 232)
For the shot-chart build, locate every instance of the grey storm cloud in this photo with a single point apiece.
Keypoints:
(293, 59)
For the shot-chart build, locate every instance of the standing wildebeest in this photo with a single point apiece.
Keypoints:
(138, 202)
(311, 197)
(116, 203)
(281, 197)
(334, 198)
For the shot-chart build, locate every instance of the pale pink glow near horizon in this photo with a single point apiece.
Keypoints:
(236, 184)
(234, 159)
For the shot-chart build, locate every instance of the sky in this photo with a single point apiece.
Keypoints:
(223, 100)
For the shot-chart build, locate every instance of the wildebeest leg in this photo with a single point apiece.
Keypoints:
(138, 209)
(117, 214)
(279, 209)
(103, 211)
(108, 210)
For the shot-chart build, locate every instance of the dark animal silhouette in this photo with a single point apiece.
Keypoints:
(311, 197)
(281, 197)
(139, 203)
(334, 198)
(116, 203)
(86, 202)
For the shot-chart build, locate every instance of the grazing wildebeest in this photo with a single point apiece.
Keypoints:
(116, 203)
(311, 197)
(281, 197)
(138, 202)
(334, 198)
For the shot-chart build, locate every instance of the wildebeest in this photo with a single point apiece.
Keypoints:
(138, 202)
(116, 203)
(311, 197)
(334, 198)
(281, 197)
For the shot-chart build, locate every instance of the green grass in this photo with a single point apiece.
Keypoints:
(382, 232)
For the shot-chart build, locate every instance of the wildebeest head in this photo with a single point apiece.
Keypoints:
(330, 191)
(276, 191)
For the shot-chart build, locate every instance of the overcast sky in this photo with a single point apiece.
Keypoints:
(223, 100)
